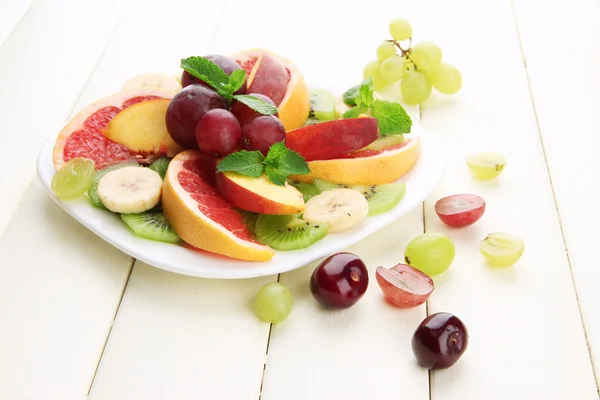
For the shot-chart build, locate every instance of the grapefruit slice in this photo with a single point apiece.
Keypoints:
(366, 167)
(200, 216)
(82, 136)
(264, 69)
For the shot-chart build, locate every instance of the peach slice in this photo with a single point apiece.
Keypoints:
(142, 128)
(332, 139)
(268, 77)
(259, 195)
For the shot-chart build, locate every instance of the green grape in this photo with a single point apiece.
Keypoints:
(486, 165)
(373, 70)
(446, 79)
(385, 50)
(426, 55)
(74, 178)
(415, 87)
(273, 302)
(502, 249)
(432, 253)
(400, 29)
(393, 68)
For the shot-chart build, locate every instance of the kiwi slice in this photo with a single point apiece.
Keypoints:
(93, 190)
(306, 189)
(384, 142)
(381, 198)
(151, 225)
(249, 219)
(288, 232)
(322, 105)
(160, 166)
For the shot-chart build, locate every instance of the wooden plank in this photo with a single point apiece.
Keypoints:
(571, 115)
(200, 332)
(11, 13)
(43, 66)
(363, 352)
(526, 337)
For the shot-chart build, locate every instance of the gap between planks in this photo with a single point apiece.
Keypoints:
(14, 29)
(560, 223)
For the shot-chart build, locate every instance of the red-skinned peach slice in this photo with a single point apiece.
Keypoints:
(259, 195)
(404, 286)
(332, 139)
(268, 77)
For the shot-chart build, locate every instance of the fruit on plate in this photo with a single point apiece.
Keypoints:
(332, 139)
(288, 91)
(381, 198)
(385, 142)
(273, 302)
(218, 133)
(243, 113)
(339, 281)
(259, 195)
(366, 167)
(185, 111)
(82, 136)
(227, 64)
(460, 210)
(73, 179)
(308, 190)
(287, 232)
(431, 252)
(502, 249)
(404, 286)
(152, 80)
(141, 128)
(151, 225)
(322, 105)
(99, 173)
(261, 132)
(130, 190)
(201, 216)
(486, 165)
(160, 166)
(440, 340)
(340, 209)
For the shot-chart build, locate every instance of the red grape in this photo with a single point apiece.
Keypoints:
(339, 281)
(404, 286)
(261, 132)
(244, 113)
(227, 64)
(440, 340)
(185, 111)
(460, 210)
(218, 133)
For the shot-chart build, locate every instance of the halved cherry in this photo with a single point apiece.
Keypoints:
(460, 210)
(404, 286)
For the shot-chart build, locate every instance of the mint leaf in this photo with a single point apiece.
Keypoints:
(361, 93)
(208, 71)
(276, 152)
(276, 176)
(249, 163)
(258, 105)
(351, 95)
(356, 111)
(237, 79)
(366, 93)
(282, 162)
(391, 117)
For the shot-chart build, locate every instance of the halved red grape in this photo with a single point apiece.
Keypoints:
(218, 133)
(440, 340)
(244, 113)
(460, 210)
(404, 286)
(261, 132)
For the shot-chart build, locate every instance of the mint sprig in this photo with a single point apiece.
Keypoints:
(391, 116)
(226, 85)
(279, 163)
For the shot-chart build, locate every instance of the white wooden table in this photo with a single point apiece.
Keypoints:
(81, 320)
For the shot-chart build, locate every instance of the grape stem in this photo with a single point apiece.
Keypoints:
(405, 52)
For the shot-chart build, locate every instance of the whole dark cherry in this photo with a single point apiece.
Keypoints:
(440, 340)
(339, 281)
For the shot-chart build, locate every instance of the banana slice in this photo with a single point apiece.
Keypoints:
(130, 190)
(340, 209)
(153, 80)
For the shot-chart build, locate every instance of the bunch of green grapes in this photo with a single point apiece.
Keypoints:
(419, 67)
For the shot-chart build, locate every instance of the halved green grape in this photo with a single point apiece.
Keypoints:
(385, 50)
(400, 29)
(74, 178)
(427, 56)
(273, 303)
(393, 68)
(415, 87)
(446, 79)
(373, 70)
(486, 165)
(502, 249)
(431, 253)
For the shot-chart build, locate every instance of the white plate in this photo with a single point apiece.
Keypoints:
(420, 181)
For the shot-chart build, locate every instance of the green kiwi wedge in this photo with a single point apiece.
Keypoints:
(385, 142)
(322, 105)
(381, 198)
(160, 166)
(306, 189)
(93, 190)
(151, 225)
(249, 219)
(288, 232)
